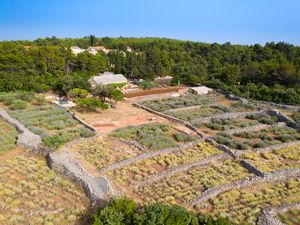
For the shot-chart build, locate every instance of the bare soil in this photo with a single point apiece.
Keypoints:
(125, 114)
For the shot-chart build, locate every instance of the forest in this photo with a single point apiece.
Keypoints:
(270, 72)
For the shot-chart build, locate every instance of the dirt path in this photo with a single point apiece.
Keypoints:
(10, 154)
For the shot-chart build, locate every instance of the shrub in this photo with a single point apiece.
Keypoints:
(90, 104)
(127, 212)
(285, 138)
(86, 133)
(78, 93)
(260, 145)
(182, 137)
(18, 105)
(25, 96)
(40, 100)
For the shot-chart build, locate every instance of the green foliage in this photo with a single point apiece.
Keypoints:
(127, 212)
(78, 93)
(40, 100)
(90, 104)
(147, 84)
(269, 72)
(18, 104)
(155, 136)
(182, 137)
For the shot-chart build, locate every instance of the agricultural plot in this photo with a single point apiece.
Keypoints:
(181, 101)
(209, 110)
(246, 205)
(140, 170)
(292, 217)
(8, 136)
(31, 193)
(101, 153)
(296, 117)
(181, 188)
(56, 126)
(258, 139)
(216, 125)
(285, 158)
(154, 136)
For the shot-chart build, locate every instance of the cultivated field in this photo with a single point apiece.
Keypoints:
(159, 160)
(8, 137)
(31, 193)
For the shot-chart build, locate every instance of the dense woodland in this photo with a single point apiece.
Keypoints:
(270, 72)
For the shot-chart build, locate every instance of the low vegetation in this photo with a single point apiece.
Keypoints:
(291, 217)
(183, 187)
(102, 153)
(32, 193)
(20, 100)
(8, 136)
(55, 125)
(246, 205)
(180, 102)
(259, 139)
(209, 110)
(140, 170)
(154, 136)
(127, 212)
(285, 158)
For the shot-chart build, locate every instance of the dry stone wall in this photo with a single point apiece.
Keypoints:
(26, 138)
(254, 128)
(97, 188)
(232, 115)
(185, 167)
(248, 181)
(146, 155)
(269, 214)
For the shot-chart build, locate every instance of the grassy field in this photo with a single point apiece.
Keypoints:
(279, 159)
(140, 170)
(56, 126)
(258, 139)
(102, 153)
(8, 136)
(292, 217)
(154, 136)
(31, 193)
(181, 101)
(245, 205)
(183, 187)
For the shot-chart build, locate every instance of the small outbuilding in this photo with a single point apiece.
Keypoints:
(108, 78)
(202, 90)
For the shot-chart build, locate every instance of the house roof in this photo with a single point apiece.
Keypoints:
(109, 78)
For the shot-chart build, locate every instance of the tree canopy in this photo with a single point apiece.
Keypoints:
(272, 71)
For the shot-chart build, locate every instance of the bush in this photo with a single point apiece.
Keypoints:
(86, 133)
(78, 93)
(40, 100)
(18, 105)
(90, 104)
(182, 137)
(127, 212)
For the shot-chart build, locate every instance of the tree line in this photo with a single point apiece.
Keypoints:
(270, 72)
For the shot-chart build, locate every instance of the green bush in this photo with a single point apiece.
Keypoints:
(182, 137)
(40, 100)
(86, 133)
(18, 105)
(127, 212)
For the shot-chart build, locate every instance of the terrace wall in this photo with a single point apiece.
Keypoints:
(269, 214)
(248, 181)
(283, 118)
(75, 117)
(26, 138)
(98, 189)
